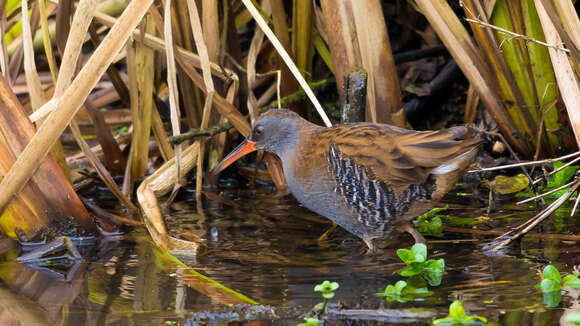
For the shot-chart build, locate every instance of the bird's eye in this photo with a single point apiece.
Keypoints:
(258, 131)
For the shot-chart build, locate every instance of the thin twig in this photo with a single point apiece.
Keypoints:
(558, 169)
(515, 165)
(544, 194)
(534, 221)
(514, 34)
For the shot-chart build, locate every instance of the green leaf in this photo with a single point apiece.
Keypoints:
(406, 255)
(328, 295)
(572, 281)
(505, 185)
(334, 286)
(552, 299)
(412, 270)
(432, 212)
(416, 282)
(457, 316)
(399, 286)
(551, 272)
(326, 286)
(563, 176)
(549, 285)
(310, 322)
(456, 311)
(474, 318)
(437, 266)
(433, 278)
(420, 251)
(446, 320)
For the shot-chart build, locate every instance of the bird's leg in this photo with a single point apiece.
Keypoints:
(409, 228)
(327, 233)
(372, 248)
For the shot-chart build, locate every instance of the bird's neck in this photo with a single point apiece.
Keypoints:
(306, 133)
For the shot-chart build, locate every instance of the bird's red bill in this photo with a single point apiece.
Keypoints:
(245, 148)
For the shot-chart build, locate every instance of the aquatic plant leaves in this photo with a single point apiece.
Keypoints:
(458, 316)
(552, 283)
(505, 185)
(310, 322)
(429, 223)
(327, 288)
(417, 263)
(414, 258)
(572, 281)
(552, 273)
(403, 292)
(433, 271)
(552, 299)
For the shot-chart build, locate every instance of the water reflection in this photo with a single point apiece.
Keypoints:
(267, 248)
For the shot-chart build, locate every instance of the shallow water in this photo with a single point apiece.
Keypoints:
(267, 249)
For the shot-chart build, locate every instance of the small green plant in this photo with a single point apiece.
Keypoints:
(310, 322)
(563, 176)
(417, 263)
(327, 288)
(552, 283)
(457, 316)
(402, 292)
(429, 223)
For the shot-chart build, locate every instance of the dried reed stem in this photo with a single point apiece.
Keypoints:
(282, 52)
(68, 104)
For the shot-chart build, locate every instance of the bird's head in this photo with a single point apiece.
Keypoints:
(276, 131)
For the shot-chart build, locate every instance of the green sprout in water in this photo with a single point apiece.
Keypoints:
(327, 288)
(417, 264)
(552, 283)
(429, 223)
(403, 292)
(457, 316)
(310, 322)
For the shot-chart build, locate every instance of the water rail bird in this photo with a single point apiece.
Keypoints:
(369, 178)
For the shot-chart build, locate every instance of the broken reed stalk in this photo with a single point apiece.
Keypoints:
(68, 104)
(282, 52)
(355, 95)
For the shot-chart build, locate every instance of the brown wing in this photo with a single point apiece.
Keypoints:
(397, 156)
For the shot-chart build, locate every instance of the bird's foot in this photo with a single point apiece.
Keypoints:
(371, 248)
(409, 228)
